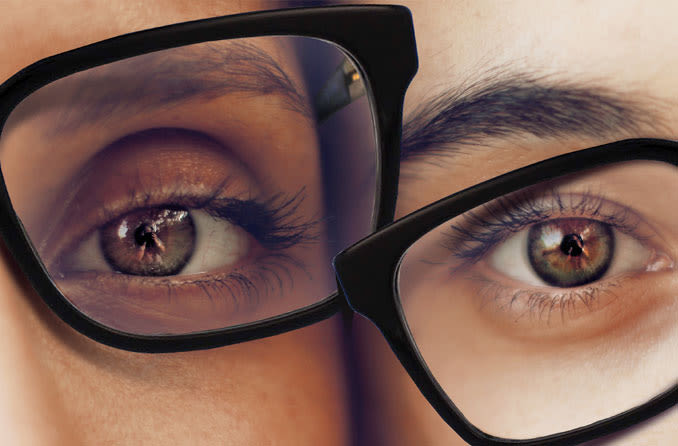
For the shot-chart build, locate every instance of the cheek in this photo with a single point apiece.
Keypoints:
(287, 390)
(519, 382)
(393, 409)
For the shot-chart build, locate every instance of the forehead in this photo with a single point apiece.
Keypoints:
(30, 31)
(629, 46)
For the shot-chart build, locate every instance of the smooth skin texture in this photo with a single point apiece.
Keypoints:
(59, 387)
(492, 54)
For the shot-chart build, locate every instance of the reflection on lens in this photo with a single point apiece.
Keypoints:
(551, 308)
(194, 188)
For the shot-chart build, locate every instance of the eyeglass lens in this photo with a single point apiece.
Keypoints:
(194, 189)
(555, 306)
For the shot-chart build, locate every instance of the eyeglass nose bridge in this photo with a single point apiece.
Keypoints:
(366, 275)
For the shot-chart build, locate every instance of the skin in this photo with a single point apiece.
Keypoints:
(602, 45)
(76, 387)
(61, 388)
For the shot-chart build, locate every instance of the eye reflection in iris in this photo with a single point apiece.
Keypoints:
(569, 252)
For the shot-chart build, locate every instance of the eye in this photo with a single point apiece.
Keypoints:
(161, 241)
(549, 251)
(568, 252)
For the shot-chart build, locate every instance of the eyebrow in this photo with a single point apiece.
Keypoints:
(502, 105)
(156, 80)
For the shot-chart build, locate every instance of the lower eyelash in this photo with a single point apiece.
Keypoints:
(541, 305)
(266, 275)
(234, 294)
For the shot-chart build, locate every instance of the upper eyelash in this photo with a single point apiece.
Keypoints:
(281, 229)
(274, 222)
(479, 231)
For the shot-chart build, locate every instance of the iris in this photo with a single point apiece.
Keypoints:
(149, 242)
(568, 252)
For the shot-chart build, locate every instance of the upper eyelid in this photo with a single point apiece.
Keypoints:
(107, 212)
(282, 227)
(476, 235)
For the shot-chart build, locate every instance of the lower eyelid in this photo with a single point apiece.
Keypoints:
(557, 315)
(192, 303)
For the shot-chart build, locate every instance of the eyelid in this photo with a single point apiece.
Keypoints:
(118, 181)
(508, 215)
(630, 255)
(229, 246)
(182, 304)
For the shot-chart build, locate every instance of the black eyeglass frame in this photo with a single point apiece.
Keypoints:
(368, 272)
(378, 39)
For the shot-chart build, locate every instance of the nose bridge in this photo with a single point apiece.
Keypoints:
(31, 412)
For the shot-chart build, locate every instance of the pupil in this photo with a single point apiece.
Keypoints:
(572, 245)
(144, 235)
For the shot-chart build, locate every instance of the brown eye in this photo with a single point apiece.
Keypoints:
(568, 252)
(149, 242)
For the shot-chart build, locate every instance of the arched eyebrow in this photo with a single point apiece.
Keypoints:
(164, 79)
(504, 105)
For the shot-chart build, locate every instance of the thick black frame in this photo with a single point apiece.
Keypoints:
(367, 273)
(379, 40)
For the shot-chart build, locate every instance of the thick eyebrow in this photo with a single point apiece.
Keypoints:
(153, 81)
(504, 105)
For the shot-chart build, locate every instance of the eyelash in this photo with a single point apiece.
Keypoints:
(273, 222)
(474, 237)
(480, 231)
(543, 303)
(246, 283)
(275, 225)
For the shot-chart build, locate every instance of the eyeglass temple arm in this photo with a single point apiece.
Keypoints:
(343, 87)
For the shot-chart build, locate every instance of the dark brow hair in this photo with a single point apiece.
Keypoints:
(503, 104)
(142, 84)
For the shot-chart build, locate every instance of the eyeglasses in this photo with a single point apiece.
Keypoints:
(186, 187)
(537, 302)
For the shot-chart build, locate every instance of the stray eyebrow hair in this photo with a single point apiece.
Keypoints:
(505, 104)
(151, 81)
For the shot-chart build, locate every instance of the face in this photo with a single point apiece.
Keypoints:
(159, 215)
(528, 333)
